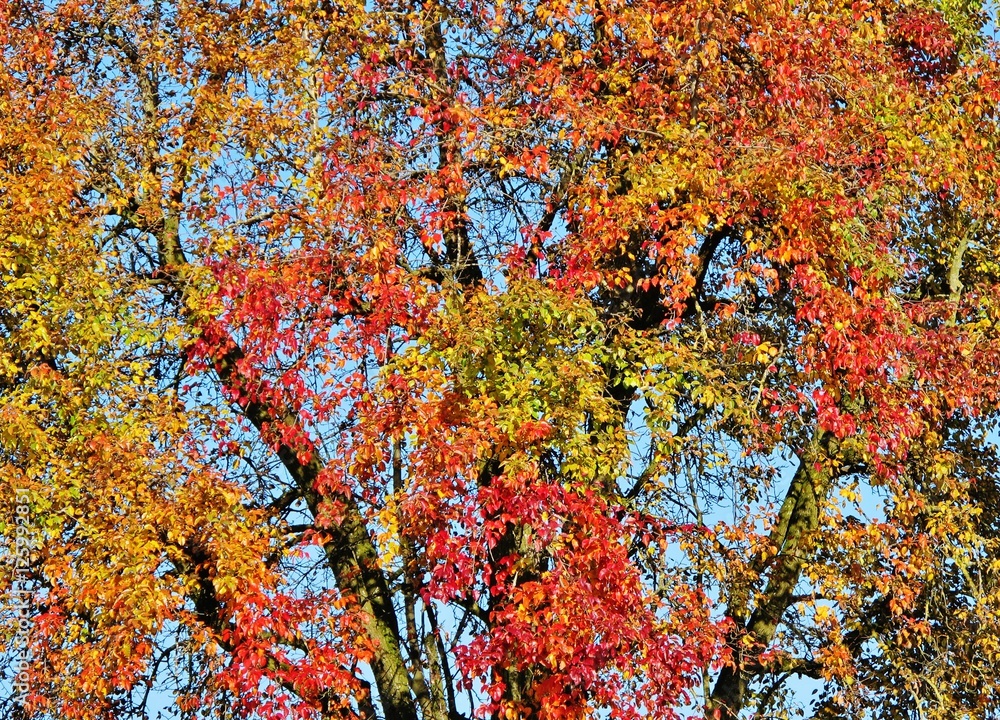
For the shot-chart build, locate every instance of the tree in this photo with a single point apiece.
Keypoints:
(557, 359)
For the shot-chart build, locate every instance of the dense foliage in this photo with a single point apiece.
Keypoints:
(612, 358)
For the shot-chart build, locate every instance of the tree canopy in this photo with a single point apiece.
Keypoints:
(556, 359)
